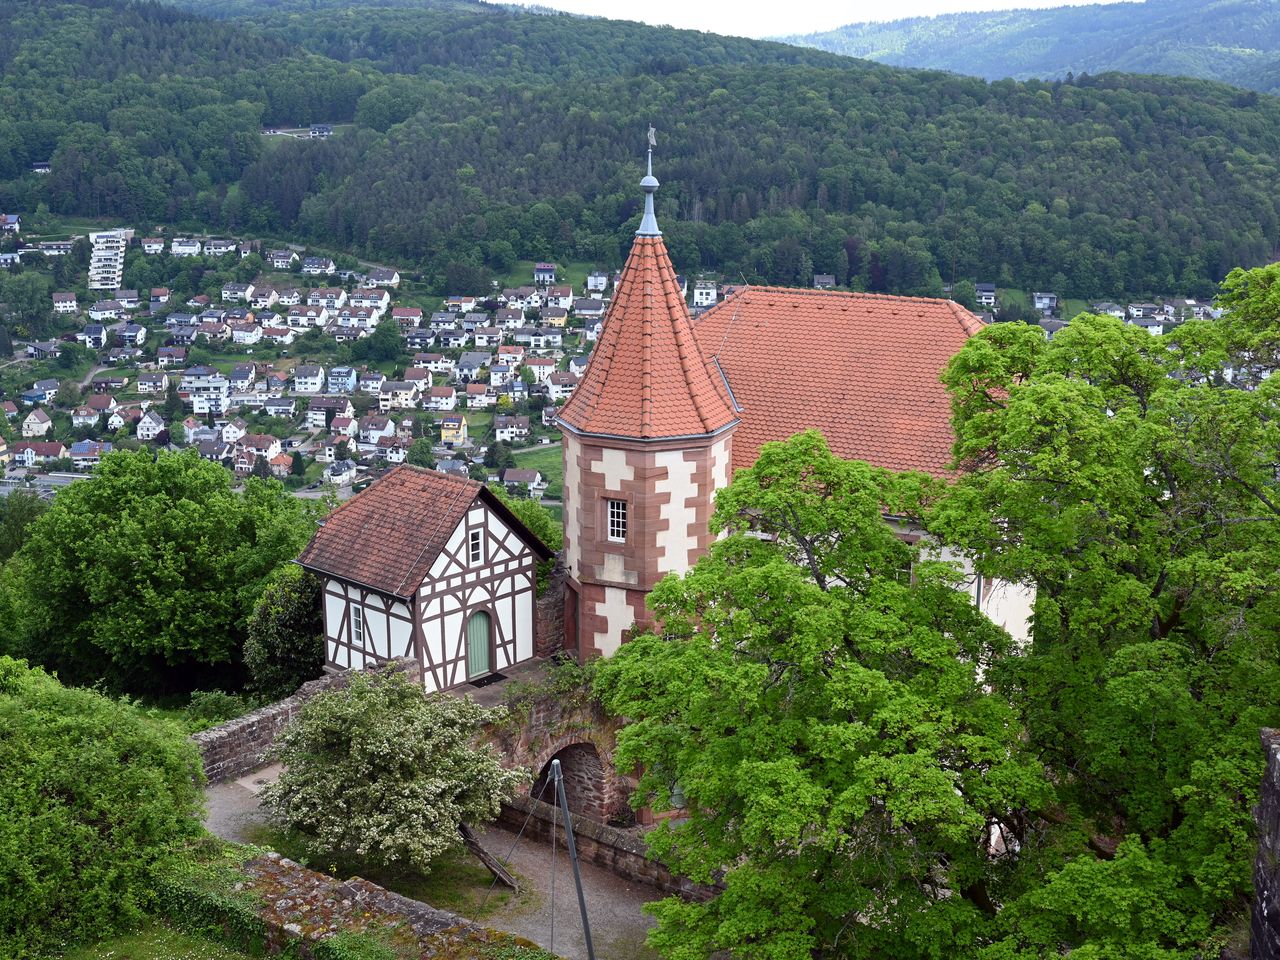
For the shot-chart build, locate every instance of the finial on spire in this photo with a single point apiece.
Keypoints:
(649, 223)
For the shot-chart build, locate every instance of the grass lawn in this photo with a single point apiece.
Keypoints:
(155, 942)
(457, 882)
(574, 273)
(1073, 308)
(549, 462)
(1019, 297)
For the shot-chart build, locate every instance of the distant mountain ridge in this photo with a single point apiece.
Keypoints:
(1233, 41)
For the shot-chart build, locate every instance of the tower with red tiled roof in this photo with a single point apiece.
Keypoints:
(646, 442)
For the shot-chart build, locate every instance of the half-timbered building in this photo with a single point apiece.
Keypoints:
(430, 566)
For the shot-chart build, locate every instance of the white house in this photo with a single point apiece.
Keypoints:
(704, 293)
(207, 390)
(441, 398)
(510, 429)
(382, 277)
(150, 426)
(318, 266)
(308, 378)
(1045, 302)
(428, 566)
(185, 247)
(65, 303)
(246, 334)
(37, 424)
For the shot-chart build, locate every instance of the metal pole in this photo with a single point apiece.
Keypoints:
(573, 856)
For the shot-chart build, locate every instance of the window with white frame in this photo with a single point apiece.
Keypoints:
(475, 546)
(357, 626)
(617, 518)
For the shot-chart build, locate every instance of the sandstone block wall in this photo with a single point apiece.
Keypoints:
(1264, 943)
(239, 746)
(620, 852)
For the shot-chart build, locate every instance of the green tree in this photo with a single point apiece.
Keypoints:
(172, 401)
(819, 717)
(383, 345)
(94, 795)
(146, 572)
(261, 469)
(297, 464)
(404, 764)
(965, 293)
(285, 643)
(1118, 474)
(17, 512)
(420, 454)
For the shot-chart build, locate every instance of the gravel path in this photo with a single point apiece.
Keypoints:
(618, 925)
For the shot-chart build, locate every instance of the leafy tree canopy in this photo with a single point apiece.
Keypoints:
(815, 703)
(1132, 480)
(285, 643)
(146, 572)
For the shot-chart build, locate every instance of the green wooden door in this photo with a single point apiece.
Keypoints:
(478, 645)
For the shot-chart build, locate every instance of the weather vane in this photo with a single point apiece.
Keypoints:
(653, 136)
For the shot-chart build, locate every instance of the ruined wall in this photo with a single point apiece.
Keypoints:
(1264, 941)
(239, 746)
(284, 908)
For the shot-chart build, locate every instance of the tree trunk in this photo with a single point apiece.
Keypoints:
(491, 863)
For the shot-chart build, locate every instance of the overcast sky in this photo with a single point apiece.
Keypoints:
(756, 18)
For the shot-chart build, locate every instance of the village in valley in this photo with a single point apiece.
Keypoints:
(303, 371)
(274, 361)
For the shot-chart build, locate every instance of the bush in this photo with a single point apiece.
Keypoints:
(354, 946)
(285, 646)
(93, 795)
(195, 890)
(208, 708)
(403, 765)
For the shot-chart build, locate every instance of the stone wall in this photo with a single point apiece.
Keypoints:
(548, 615)
(239, 746)
(1264, 942)
(621, 852)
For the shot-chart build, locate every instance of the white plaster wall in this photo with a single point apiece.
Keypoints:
(721, 458)
(615, 469)
(376, 640)
(618, 615)
(572, 509)
(681, 536)
(524, 618)
(1008, 605)
(401, 632)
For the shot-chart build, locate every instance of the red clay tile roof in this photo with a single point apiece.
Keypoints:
(647, 379)
(387, 536)
(868, 377)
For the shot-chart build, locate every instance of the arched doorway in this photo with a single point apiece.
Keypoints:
(586, 783)
(479, 645)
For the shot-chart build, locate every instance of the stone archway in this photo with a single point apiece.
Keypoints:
(588, 782)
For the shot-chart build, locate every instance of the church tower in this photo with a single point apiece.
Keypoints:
(646, 444)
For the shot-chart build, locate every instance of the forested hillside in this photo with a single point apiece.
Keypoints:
(482, 136)
(1235, 41)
